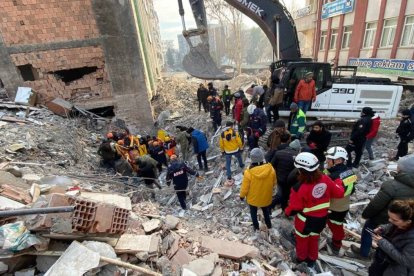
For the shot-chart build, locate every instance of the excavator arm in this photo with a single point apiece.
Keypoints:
(270, 15)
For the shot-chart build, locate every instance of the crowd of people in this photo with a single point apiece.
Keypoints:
(309, 179)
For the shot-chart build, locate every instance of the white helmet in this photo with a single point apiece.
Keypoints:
(307, 161)
(251, 108)
(337, 152)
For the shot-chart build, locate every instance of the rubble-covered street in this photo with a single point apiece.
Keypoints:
(112, 225)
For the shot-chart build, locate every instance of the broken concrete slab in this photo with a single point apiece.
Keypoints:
(229, 249)
(151, 225)
(15, 193)
(15, 147)
(181, 257)
(31, 178)
(60, 107)
(200, 267)
(171, 222)
(75, 261)
(25, 272)
(6, 203)
(109, 198)
(130, 243)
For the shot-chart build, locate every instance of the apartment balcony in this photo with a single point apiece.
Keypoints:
(305, 18)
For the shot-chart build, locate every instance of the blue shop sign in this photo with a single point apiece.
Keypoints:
(337, 7)
(379, 63)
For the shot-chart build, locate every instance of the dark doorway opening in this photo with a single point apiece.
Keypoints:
(28, 73)
(70, 75)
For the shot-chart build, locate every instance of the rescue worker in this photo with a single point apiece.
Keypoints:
(244, 119)
(284, 143)
(147, 170)
(226, 98)
(215, 106)
(142, 148)
(202, 94)
(309, 201)
(237, 107)
(257, 125)
(169, 146)
(200, 146)
(318, 140)
(250, 90)
(259, 180)
(257, 92)
(231, 145)
(182, 138)
(359, 136)
(376, 122)
(274, 103)
(297, 121)
(115, 136)
(305, 92)
(212, 91)
(177, 173)
(405, 131)
(158, 153)
(283, 163)
(108, 154)
(337, 170)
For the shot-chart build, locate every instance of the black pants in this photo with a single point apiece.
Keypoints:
(282, 196)
(204, 104)
(272, 109)
(204, 156)
(216, 124)
(227, 107)
(266, 215)
(402, 149)
(358, 149)
(182, 195)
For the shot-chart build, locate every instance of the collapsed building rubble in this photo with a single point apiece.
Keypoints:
(116, 226)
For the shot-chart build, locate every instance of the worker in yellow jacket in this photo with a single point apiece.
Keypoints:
(259, 180)
(231, 145)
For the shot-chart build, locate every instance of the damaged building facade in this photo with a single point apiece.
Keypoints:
(94, 53)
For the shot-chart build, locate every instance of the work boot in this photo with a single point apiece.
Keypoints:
(335, 249)
(256, 236)
(356, 253)
(206, 168)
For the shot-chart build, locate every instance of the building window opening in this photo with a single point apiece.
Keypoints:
(408, 33)
(346, 38)
(28, 73)
(70, 75)
(388, 32)
(370, 34)
(334, 38)
(323, 40)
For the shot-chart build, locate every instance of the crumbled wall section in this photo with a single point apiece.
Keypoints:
(91, 86)
(44, 21)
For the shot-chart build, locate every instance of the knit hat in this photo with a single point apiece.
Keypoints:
(295, 144)
(280, 123)
(256, 155)
(368, 111)
(293, 106)
(406, 163)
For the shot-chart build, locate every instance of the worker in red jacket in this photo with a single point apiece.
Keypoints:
(238, 107)
(373, 131)
(309, 201)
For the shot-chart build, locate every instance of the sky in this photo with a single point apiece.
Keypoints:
(170, 20)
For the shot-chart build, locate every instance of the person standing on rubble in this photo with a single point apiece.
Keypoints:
(375, 214)
(212, 91)
(337, 170)
(305, 92)
(273, 141)
(226, 98)
(258, 91)
(376, 122)
(148, 171)
(283, 163)
(202, 94)
(231, 145)
(395, 252)
(177, 173)
(276, 99)
(183, 139)
(285, 140)
(215, 106)
(309, 201)
(256, 126)
(200, 146)
(318, 140)
(259, 180)
(359, 136)
(405, 131)
(297, 121)
(237, 107)
(158, 153)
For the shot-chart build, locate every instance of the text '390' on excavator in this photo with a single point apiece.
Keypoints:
(340, 94)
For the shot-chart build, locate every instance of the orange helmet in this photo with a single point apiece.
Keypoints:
(155, 143)
(120, 142)
(110, 135)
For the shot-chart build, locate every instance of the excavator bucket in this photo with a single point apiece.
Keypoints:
(198, 63)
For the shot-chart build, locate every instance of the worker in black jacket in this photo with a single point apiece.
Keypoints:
(177, 172)
(283, 163)
(318, 140)
(406, 133)
(358, 136)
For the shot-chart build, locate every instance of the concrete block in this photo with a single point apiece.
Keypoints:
(171, 222)
(229, 249)
(200, 267)
(151, 225)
